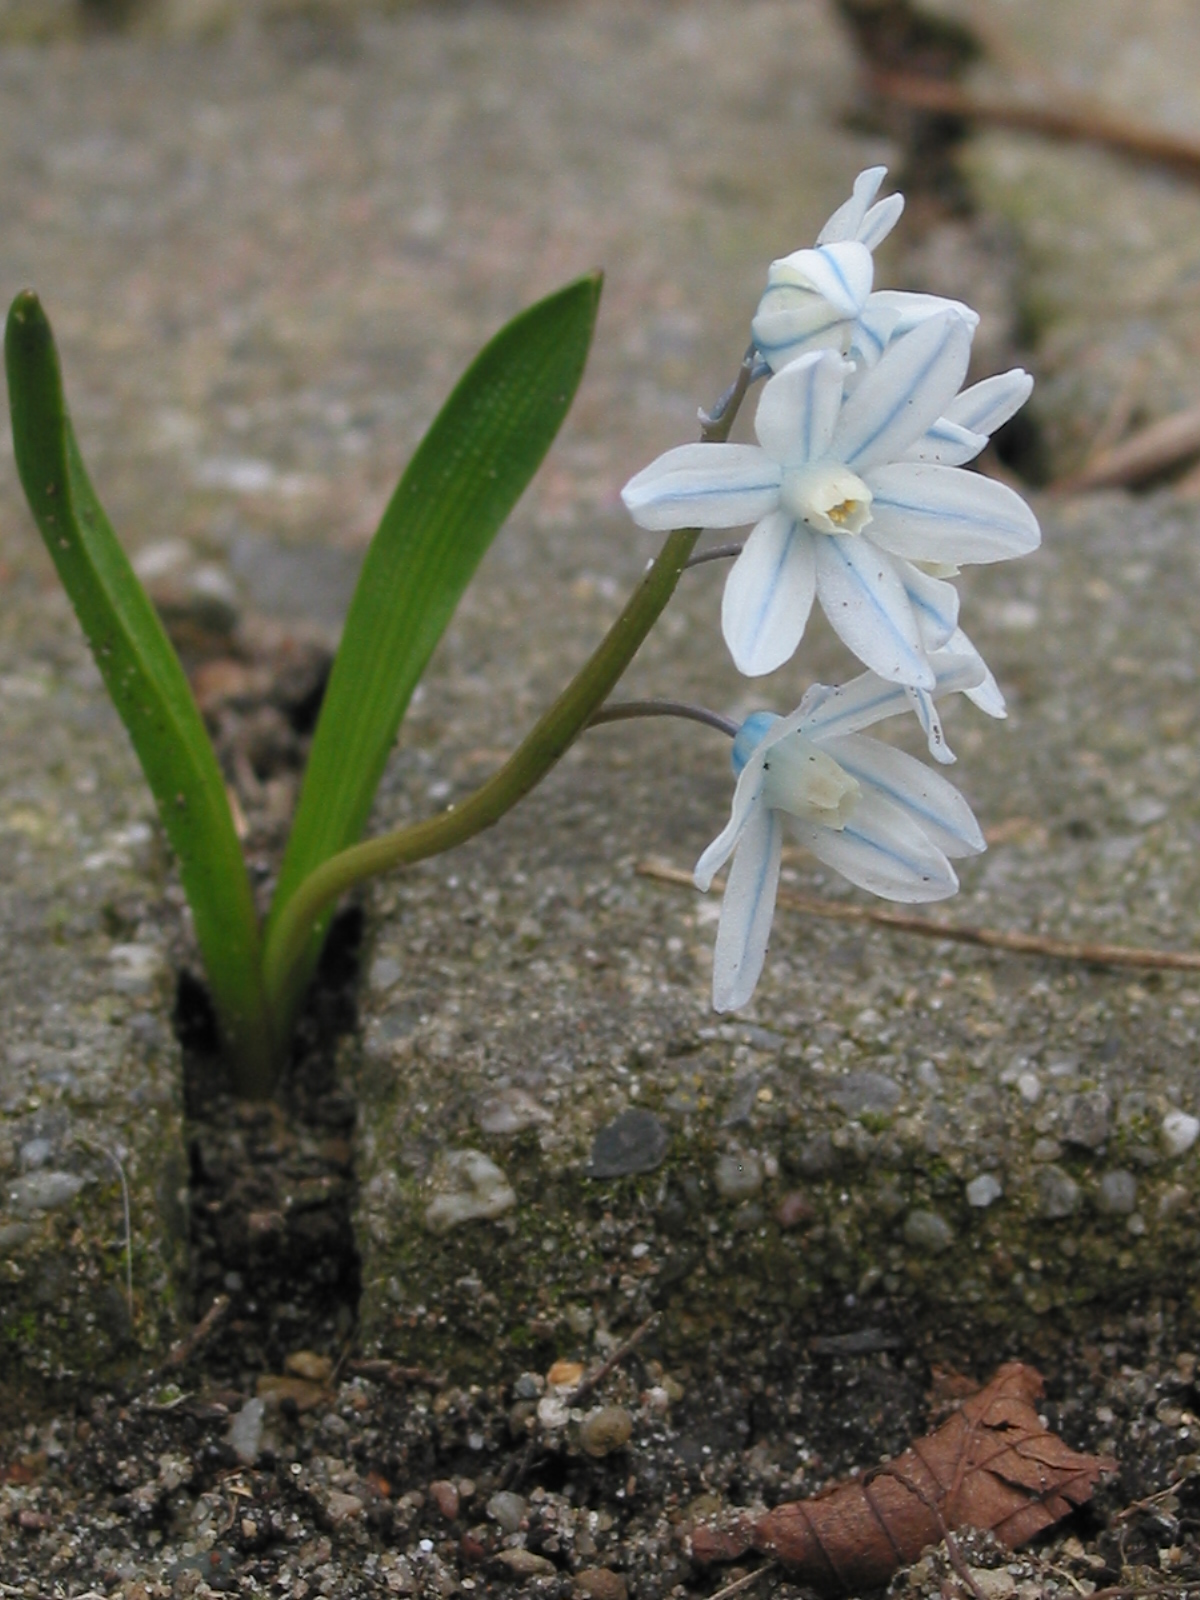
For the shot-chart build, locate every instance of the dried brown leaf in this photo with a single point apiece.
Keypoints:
(991, 1465)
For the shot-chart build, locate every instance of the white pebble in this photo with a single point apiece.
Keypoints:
(468, 1187)
(1179, 1129)
(983, 1190)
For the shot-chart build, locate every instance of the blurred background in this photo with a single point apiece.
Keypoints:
(270, 233)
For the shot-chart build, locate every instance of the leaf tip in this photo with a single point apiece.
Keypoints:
(26, 307)
(28, 329)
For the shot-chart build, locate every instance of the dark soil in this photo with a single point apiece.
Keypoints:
(380, 1481)
(271, 1185)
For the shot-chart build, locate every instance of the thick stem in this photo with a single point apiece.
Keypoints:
(548, 741)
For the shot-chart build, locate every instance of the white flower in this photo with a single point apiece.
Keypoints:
(879, 817)
(855, 501)
(821, 299)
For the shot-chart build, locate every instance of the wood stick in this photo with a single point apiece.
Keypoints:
(191, 1342)
(1025, 944)
(1151, 450)
(1073, 120)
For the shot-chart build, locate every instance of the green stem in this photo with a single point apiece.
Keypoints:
(545, 745)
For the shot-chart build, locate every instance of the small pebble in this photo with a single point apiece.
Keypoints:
(508, 1510)
(553, 1412)
(1029, 1087)
(1118, 1193)
(600, 1583)
(994, 1583)
(528, 1386)
(866, 1092)
(794, 1209)
(926, 1231)
(605, 1429)
(1058, 1193)
(565, 1374)
(526, 1564)
(1180, 1130)
(737, 1177)
(43, 1191)
(341, 1508)
(309, 1365)
(468, 1187)
(445, 1497)
(304, 1395)
(246, 1431)
(35, 1153)
(983, 1191)
(1084, 1118)
(636, 1141)
(508, 1111)
(385, 973)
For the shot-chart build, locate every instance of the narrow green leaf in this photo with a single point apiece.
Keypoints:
(467, 474)
(142, 674)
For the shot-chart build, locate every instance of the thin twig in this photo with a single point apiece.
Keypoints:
(1073, 120)
(739, 1584)
(1025, 944)
(1144, 454)
(182, 1352)
(585, 1386)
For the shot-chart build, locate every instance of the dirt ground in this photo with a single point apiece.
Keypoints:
(372, 1479)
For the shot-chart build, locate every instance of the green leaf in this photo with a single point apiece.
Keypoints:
(467, 474)
(142, 674)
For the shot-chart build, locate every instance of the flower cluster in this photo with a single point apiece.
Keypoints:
(859, 502)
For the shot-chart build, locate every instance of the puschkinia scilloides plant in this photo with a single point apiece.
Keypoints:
(859, 502)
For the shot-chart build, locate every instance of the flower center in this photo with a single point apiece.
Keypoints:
(798, 777)
(827, 496)
(803, 781)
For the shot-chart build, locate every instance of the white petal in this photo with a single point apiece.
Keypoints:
(930, 800)
(868, 699)
(860, 703)
(986, 406)
(935, 513)
(862, 595)
(891, 313)
(791, 322)
(884, 851)
(848, 218)
(841, 274)
(768, 595)
(934, 603)
(931, 725)
(746, 797)
(879, 221)
(908, 309)
(799, 408)
(704, 486)
(747, 911)
(986, 693)
(910, 386)
(947, 443)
